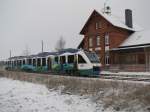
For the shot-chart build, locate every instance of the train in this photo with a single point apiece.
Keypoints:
(66, 61)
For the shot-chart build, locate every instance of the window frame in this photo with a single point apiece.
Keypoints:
(98, 40)
(98, 25)
(90, 42)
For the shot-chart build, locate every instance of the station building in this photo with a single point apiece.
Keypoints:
(120, 44)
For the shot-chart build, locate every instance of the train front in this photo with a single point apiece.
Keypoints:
(95, 63)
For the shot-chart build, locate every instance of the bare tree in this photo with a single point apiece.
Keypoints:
(60, 44)
(26, 52)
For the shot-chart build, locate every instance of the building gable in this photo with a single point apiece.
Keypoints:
(113, 20)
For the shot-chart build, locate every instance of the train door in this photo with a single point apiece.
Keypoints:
(49, 63)
(62, 61)
(75, 63)
(34, 62)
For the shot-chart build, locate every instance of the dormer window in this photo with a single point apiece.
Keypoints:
(98, 25)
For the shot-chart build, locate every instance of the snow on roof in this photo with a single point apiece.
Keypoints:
(115, 21)
(119, 22)
(45, 54)
(69, 50)
(67, 53)
(137, 38)
(130, 47)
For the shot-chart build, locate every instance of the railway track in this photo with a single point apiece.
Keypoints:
(142, 78)
(126, 78)
(113, 77)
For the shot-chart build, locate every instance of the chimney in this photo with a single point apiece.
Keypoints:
(128, 18)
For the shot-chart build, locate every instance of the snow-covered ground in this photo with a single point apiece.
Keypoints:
(17, 96)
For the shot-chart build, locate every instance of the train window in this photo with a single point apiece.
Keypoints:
(43, 61)
(30, 61)
(80, 59)
(15, 63)
(71, 59)
(63, 59)
(20, 62)
(56, 60)
(92, 57)
(38, 62)
(34, 62)
(24, 62)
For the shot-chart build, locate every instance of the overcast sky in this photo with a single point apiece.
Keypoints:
(27, 22)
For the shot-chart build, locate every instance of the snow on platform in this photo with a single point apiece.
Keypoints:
(17, 96)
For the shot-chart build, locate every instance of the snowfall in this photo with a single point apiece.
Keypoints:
(17, 96)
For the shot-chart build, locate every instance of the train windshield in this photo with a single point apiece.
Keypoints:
(92, 57)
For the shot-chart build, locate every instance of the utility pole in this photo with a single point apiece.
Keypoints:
(42, 45)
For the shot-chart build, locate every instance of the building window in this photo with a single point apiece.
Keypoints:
(98, 25)
(98, 40)
(106, 39)
(90, 42)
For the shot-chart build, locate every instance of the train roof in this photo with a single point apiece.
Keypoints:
(17, 57)
(69, 50)
(45, 54)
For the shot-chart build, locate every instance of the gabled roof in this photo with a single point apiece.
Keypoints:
(137, 39)
(114, 20)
